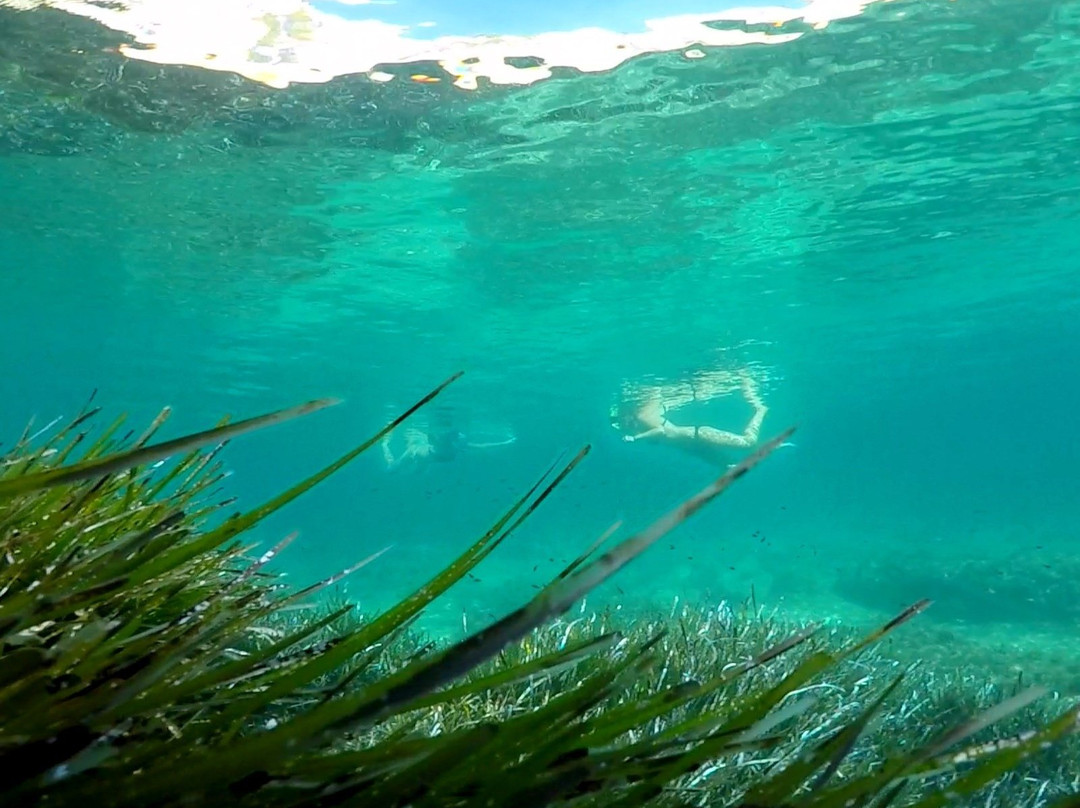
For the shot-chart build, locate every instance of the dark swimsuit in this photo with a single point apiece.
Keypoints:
(664, 420)
(446, 445)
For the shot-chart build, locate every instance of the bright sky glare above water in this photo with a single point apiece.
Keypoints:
(282, 42)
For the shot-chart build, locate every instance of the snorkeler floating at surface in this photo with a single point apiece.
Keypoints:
(642, 414)
(440, 442)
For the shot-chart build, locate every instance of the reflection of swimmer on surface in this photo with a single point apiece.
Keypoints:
(440, 442)
(643, 414)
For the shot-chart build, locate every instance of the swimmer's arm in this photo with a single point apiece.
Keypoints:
(506, 442)
(656, 430)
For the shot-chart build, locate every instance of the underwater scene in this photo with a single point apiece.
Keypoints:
(670, 233)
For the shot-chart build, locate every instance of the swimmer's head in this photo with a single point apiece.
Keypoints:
(623, 417)
(447, 444)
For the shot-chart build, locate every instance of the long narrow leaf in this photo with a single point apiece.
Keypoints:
(135, 457)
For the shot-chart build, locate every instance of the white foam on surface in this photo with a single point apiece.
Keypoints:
(282, 42)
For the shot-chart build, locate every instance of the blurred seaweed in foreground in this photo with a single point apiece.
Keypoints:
(147, 660)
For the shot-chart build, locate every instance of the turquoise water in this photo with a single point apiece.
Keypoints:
(878, 219)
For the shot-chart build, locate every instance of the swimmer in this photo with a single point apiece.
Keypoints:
(647, 418)
(441, 443)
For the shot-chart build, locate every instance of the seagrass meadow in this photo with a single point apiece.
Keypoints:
(146, 660)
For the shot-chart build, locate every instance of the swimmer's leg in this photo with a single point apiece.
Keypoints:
(753, 397)
(720, 437)
(752, 434)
